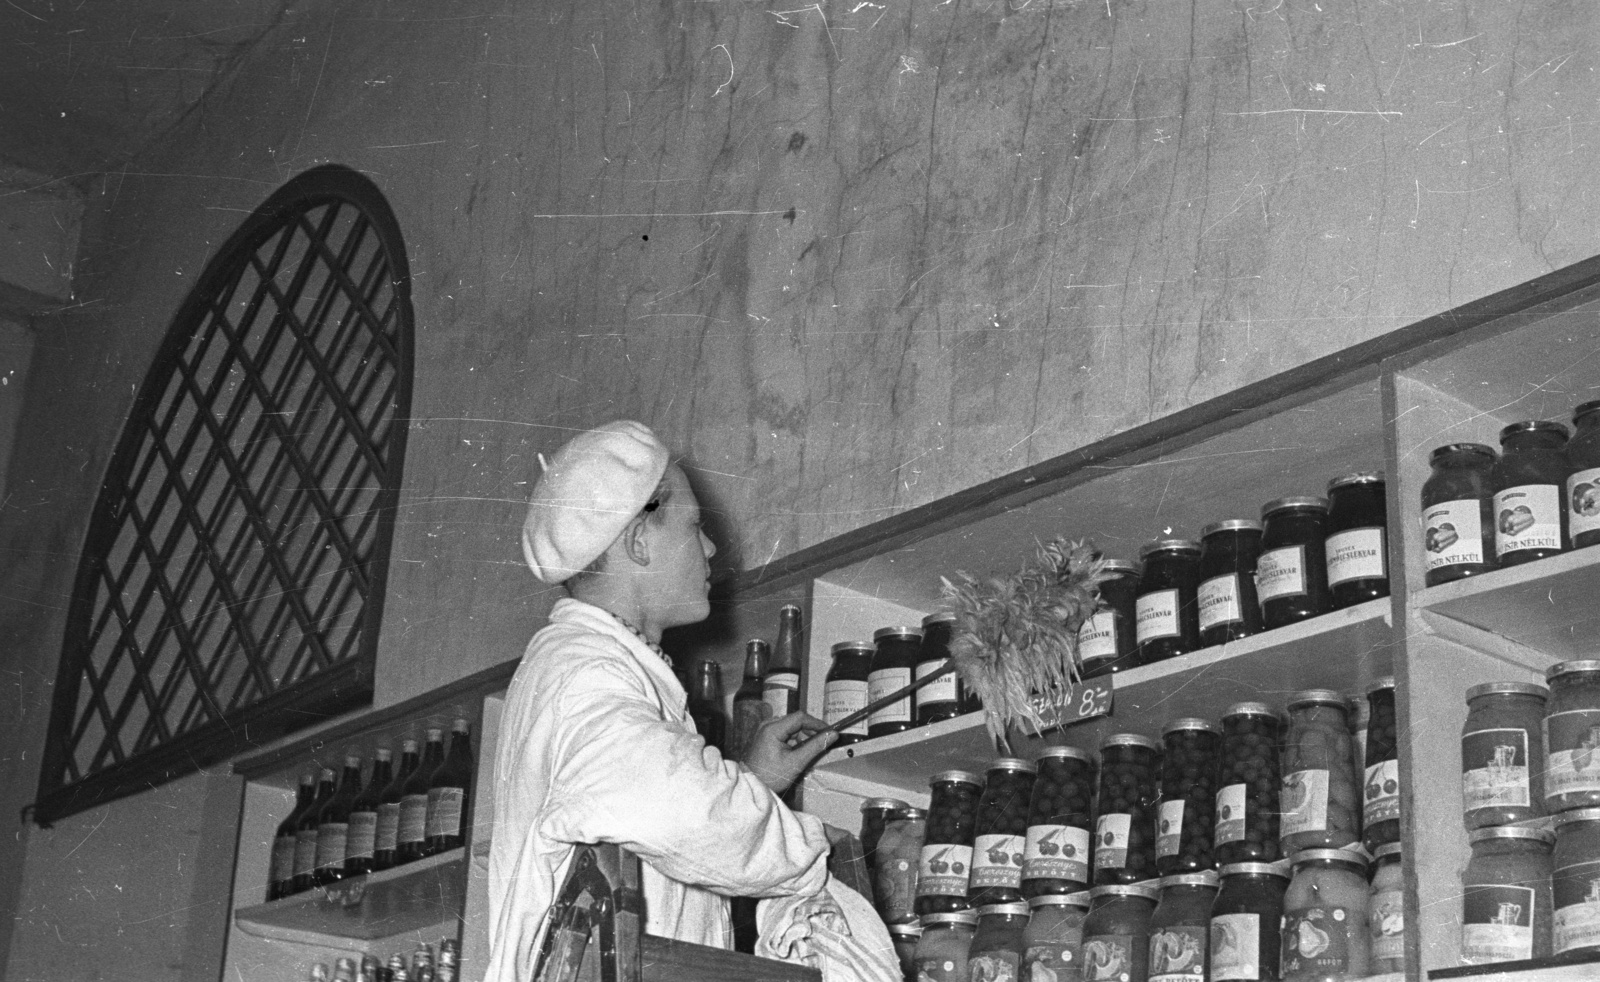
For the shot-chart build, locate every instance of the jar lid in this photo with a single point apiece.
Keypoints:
(1359, 477)
(1507, 688)
(967, 917)
(1571, 668)
(1012, 765)
(1481, 449)
(1120, 566)
(1203, 878)
(1249, 709)
(912, 928)
(1142, 890)
(965, 777)
(1018, 909)
(1079, 899)
(1534, 426)
(1577, 815)
(1191, 723)
(1317, 697)
(1062, 750)
(1255, 869)
(1129, 740)
(938, 616)
(909, 814)
(1584, 409)
(850, 646)
(1168, 545)
(1387, 849)
(1546, 836)
(1231, 525)
(897, 632)
(1311, 501)
(1387, 682)
(888, 804)
(1336, 855)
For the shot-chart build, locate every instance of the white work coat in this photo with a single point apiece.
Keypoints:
(596, 745)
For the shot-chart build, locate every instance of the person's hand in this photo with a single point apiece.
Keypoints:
(783, 748)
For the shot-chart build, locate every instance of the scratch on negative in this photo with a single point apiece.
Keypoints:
(1332, 112)
(729, 82)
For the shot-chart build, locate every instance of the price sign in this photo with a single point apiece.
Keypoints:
(1086, 700)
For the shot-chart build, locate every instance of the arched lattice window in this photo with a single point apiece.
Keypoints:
(231, 585)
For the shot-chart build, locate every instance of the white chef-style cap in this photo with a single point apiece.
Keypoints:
(589, 491)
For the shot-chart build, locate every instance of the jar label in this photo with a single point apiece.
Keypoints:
(1497, 923)
(1236, 947)
(1577, 903)
(883, 682)
(1574, 741)
(1056, 852)
(1494, 769)
(1452, 533)
(1316, 941)
(1156, 616)
(1386, 924)
(1051, 960)
(997, 861)
(1281, 573)
(944, 871)
(894, 880)
(1356, 554)
(1108, 957)
(941, 689)
(1304, 800)
(1178, 954)
(1111, 840)
(782, 692)
(1219, 602)
(1527, 516)
(1230, 813)
(1382, 800)
(1097, 636)
(942, 969)
(1169, 828)
(841, 698)
(1583, 501)
(995, 965)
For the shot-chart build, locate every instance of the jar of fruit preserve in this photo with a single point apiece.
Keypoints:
(1054, 937)
(1107, 642)
(1190, 758)
(1386, 911)
(1124, 847)
(1380, 810)
(1245, 923)
(1116, 934)
(894, 870)
(844, 692)
(1458, 513)
(1530, 518)
(999, 834)
(944, 946)
(1502, 753)
(1292, 573)
(1506, 904)
(1247, 798)
(940, 699)
(1166, 616)
(1180, 927)
(1055, 859)
(1228, 608)
(1320, 795)
(875, 814)
(1358, 539)
(996, 951)
(893, 661)
(947, 847)
(1325, 918)
(904, 937)
(1575, 867)
(1583, 477)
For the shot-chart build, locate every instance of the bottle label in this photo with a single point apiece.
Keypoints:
(1056, 852)
(1356, 554)
(996, 964)
(283, 858)
(1494, 769)
(1316, 942)
(842, 697)
(1583, 501)
(782, 693)
(1574, 741)
(1178, 954)
(1452, 534)
(1527, 516)
(1056, 959)
(330, 844)
(748, 715)
(1111, 840)
(1281, 573)
(1109, 957)
(413, 818)
(1382, 800)
(883, 682)
(1156, 616)
(363, 835)
(1219, 602)
(1230, 813)
(305, 852)
(894, 884)
(942, 689)
(944, 871)
(1386, 924)
(1304, 801)
(1169, 828)
(388, 836)
(1236, 947)
(1097, 636)
(444, 811)
(1497, 924)
(1577, 902)
(997, 861)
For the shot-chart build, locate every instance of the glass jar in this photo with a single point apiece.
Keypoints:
(898, 859)
(1180, 927)
(1502, 754)
(904, 937)
(1358, 539)
(1506, 901)
(947, 847)
(1051, 944)
(1386, 911)
(1325, 918)
(1247, 798)
(1530, 516)
(1292, 573)
(1245, 923)
(1571, 731)
(1380, 809)
(1575, 870)
(996, 954)
(940, 699)
(1228, 608)
(1458, 513)
(1116, 934)
(1190, 758)
(1107, 642)
(937, 629)
(1583, 477)
(1000, 834)
(1055, 859)
(1124, 850)
(875, 814)
(894, 659)
(944, 946)
(845, 690)
(1166, 615)
(1320, 796)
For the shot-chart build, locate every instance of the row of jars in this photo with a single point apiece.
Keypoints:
(1531, 892)
(1306, 556)
(1539, 496)
(862, 672)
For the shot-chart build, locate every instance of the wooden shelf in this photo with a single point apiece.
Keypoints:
(1574, 967)
(1535, 614)
(365, 908)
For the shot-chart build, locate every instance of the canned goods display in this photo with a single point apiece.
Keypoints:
(999, 834)
(1380, 812)
(1458, 513)
(1246, 919)
(1571, 730)
(946, 860)
(1502, 754)
(1507, 907)
(1055, 857)
(1575, 882)
(1321, 795)
(1124, 846)
(1186, 817)
(1247, 795)
(1180, 928)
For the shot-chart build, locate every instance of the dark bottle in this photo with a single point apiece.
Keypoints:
(894, 659)
(1245, 922)
(1228, 608)
(305, 834)
(941, 699)
(1107, 641)
(1166, 606)
(782, 682)
(1055, 858)
(1190, 762)
(705, 705)
(1380, 809)
(1358, 539)
(1000, 833)
(412, 839)
(1248, 788)
(1124, 845)
(333, 825)
(280, 881)
(386, 845)
(749, 700)
(1458, 513)
(1292, 571)
(947, 848)
(363, 835)
(844, 693)
(1530, 518)
(937, 630)
(448, 786)
(1583, 477)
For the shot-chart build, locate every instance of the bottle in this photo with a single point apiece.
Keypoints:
(449, 960)
(386, 844)
(1356, 549)
(782, 682)
(705, 705)
(363, 834)
(412, 838)
(1458, 513)
(319, 972)
(844, 693)
(1292, 570)
(333, 825)
(894, 659)
(1166, 601)
(1529, 484)
(422, 963)
(748, 700)
(447, 793)
(344, 970)
(941, 699)
(281, 879)
(305, 834)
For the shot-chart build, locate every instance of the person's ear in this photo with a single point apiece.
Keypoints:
(636, 543)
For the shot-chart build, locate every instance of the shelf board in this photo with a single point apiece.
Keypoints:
(1545, 606)
(365, 908)
(1573, 967)
(1343, 650)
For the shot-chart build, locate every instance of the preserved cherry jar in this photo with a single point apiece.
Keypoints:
(1247, 798)
(947, 847)
(1186, 818)
(1572, 732)
(1386, 911)
(1245, 923)
(1055, 858)
(1380, 809)
(940, 699)
(845, 690)
(1320, 795)
(1506, 903)
(1358, 539)
(999, 834)
(1116, 934)
(1180, 927)
(894, 659)
(1458, 513)
(1228, 608)
(1530, 519)
(996, 952)
(1502, 754)
(1166, 617)
(1292, 573)
(1583, 477)
(1054, 937)
(946, 942)
(1107, 641)
(1325, 918)
(1124, 846)
(1574, 875)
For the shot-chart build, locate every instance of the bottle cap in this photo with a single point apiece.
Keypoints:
(1359, 477)
(1123, 567)
(1546, 836)
(907, 929)
(1533, 426)
(886, 804)
(1009, 910)
(1561, 668)
(1062, 750)
(1129, 740)
(1451, 449)
(938, 617)
(1310, 502)
(912, 633)
(1317, 697)
(1146, 890)
(1012, 765)
(1230, 525)
(967, 917)
(909, 814)
(1584, 409)
(1577, 815)
(1507, 688)
(1387, 682)
(1168, 545)
(850, 646)
(1255, 869)
(1078, 899)
(1337, 855)
(1200, 878)
(1191, 723)
(965, 777)
(383, 753)
(1249, 709)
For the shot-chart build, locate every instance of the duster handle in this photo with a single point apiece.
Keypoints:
(877, 704)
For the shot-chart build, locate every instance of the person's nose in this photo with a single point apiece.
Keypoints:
(706, 545)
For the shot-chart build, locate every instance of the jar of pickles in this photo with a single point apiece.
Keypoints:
(1357, 546)
(1575, 881)
(904, 937)
(996, 953)
(1572, 731)
(896, 863)
(894, 658)
(1228, 608)
(1458, 513)
(844, 692)
(1502, 753)
(1055, 858)
(1583, 477)
(1107, 643)
(1245, 923)
(1124, 850)
(1320, 797)
(1166, 618)
(940, 699)
(1325, 918)
(1186, 818)
(1180, 927)
(1530, 520)
(1380, 810)
(1506, 903)
(1386, 911)
(1000, 833)
(1051, 944)
(946, 859)
(1247, 799)
(1116, 934)
(1292, 572)
(945, 944)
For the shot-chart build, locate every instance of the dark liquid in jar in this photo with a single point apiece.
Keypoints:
(1124, 831)
(845, 690)
(1187, 815)
(1060, 827)
(1381, 793)
(1000, 835)
(1583, 477)
(939, 700)
(947, 848)
(1166, 612)
(1358, 540)
(1292, 571)
(893, 665)
(1458, 513)
(1530, 518)
(1247, 799)
(1228, 609)
(1107, 642)
(1245, 921)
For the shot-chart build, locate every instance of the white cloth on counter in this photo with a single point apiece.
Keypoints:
(835, 931)
(597, 745)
